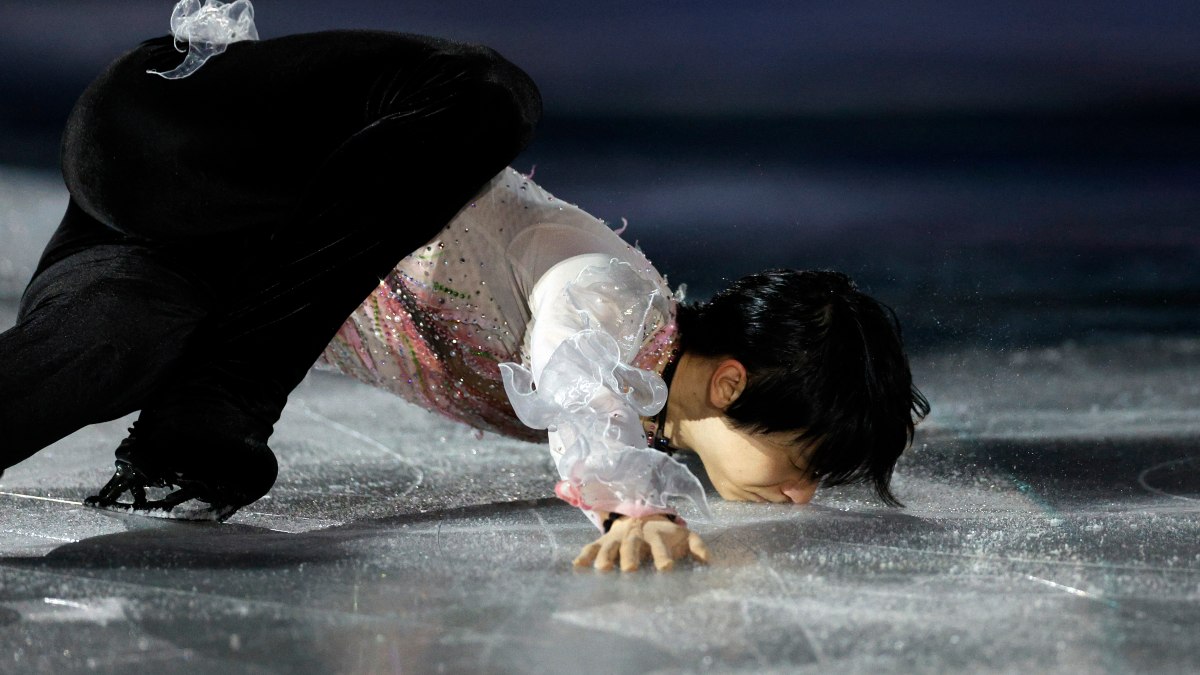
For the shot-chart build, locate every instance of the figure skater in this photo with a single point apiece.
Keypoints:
(345, 195)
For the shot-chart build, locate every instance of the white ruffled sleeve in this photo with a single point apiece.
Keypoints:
(580, 386)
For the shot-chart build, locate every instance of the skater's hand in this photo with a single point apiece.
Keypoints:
(632, 540)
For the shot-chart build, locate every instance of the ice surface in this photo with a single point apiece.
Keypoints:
(1052, 525)
(1047, 532)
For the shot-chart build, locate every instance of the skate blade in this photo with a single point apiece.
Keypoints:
(192, 510)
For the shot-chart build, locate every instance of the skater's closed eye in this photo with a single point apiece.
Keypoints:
(745, 466)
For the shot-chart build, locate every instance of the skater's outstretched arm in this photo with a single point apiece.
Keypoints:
(589, 322)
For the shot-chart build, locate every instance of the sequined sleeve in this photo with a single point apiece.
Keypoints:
(582, 387)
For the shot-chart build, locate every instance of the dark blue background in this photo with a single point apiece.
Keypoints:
(1006, 173)
(702, 57)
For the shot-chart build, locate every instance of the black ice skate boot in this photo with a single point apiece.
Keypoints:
(203, 475)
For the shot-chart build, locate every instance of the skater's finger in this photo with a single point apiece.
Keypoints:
(658, 548)
(631, 552)
(587, 555)
(607, 554)
(697, 547)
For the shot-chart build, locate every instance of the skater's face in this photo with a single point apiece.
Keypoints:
(752, 467)
(742, 466)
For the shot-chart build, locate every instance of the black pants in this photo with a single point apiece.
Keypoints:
(223, 226)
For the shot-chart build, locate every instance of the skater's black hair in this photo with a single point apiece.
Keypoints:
(823, 360)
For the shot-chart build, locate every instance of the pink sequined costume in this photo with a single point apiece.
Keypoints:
(527, 313)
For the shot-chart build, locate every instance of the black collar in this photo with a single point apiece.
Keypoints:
(660, 442)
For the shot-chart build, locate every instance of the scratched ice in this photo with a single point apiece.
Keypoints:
(1052, 520)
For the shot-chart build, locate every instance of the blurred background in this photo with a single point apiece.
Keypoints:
(1003, 174)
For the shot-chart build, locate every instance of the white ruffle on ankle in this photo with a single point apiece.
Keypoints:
(208, 30)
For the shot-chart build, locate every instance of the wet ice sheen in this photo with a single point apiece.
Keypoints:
(395, 540)
(1051, 526)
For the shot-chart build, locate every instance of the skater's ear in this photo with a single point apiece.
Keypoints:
(726, 383)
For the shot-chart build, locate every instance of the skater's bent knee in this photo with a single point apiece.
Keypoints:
(498, 72)
(486, 93)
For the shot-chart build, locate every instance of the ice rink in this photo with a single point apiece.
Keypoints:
(1052, 525)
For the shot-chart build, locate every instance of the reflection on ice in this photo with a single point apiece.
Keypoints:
(397, 540)
(1051, 526)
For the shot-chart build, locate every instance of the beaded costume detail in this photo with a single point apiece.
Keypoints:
(436, 329)
(405, 339)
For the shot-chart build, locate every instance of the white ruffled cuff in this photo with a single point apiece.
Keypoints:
(593, 399)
